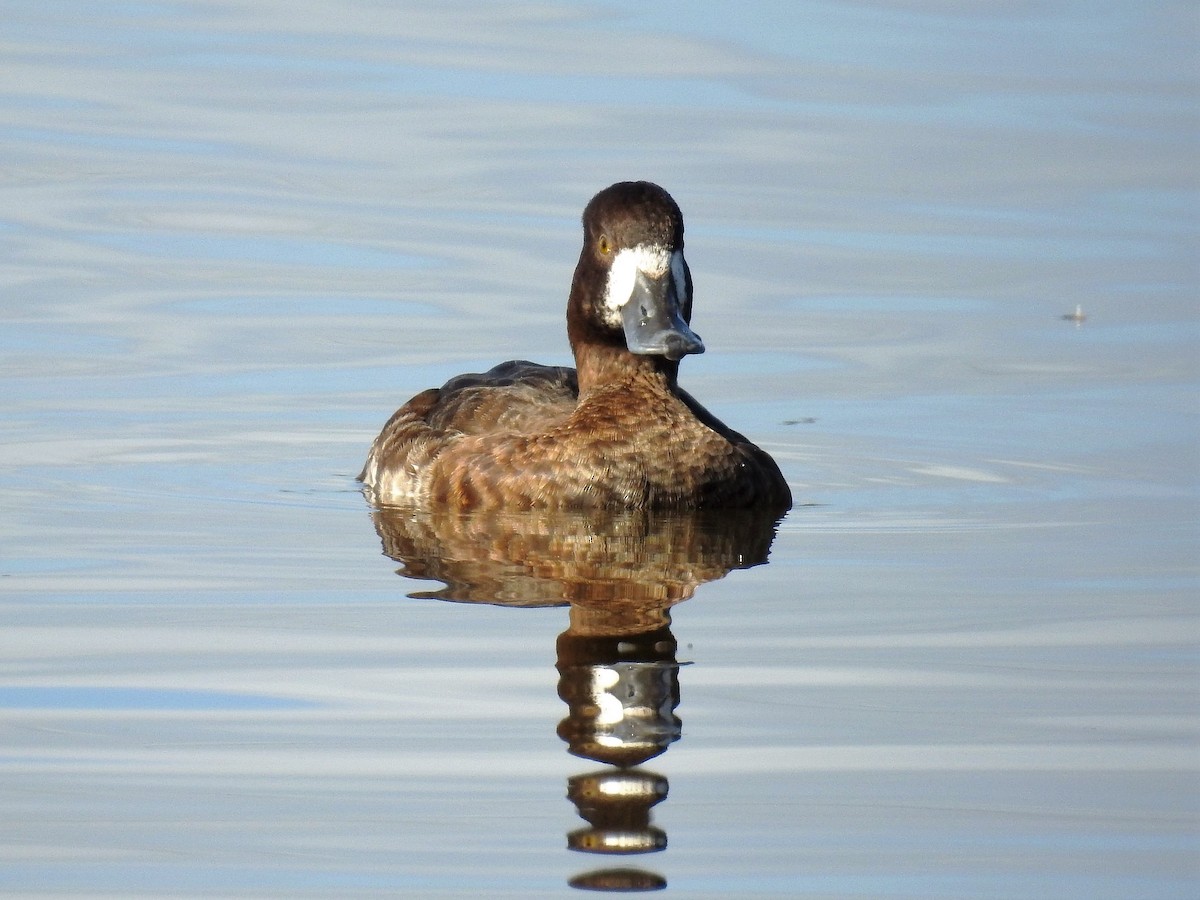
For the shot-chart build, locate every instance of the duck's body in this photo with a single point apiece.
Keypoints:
(616, 431)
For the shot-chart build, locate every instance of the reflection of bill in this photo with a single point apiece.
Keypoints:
(627, 880)
(616, 805)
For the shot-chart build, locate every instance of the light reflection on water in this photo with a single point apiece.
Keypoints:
(236, 236)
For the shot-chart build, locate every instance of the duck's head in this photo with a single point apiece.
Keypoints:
(632, 288)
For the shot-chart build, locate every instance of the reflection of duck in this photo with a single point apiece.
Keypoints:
(611, 559)
(616, 431)
(620, 571)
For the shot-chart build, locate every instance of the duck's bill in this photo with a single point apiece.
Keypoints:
(653, 320)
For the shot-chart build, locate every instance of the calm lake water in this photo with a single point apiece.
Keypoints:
(235, 236)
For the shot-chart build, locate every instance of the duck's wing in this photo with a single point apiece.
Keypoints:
(517, 396)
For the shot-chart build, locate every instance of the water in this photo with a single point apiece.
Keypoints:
(236, 236)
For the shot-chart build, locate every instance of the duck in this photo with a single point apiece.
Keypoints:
(616, 431)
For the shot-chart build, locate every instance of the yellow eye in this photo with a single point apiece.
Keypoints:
(603, 245)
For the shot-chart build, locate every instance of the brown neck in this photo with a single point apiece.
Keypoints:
(598, 365)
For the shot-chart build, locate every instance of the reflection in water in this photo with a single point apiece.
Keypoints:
(542, 558)
(620, 572)
(616, 805)
(616, 879)
(621, 687)
(620, 680)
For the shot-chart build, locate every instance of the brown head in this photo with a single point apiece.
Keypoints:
(632, 291)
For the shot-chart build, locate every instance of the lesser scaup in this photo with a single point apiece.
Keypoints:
(616, 431)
